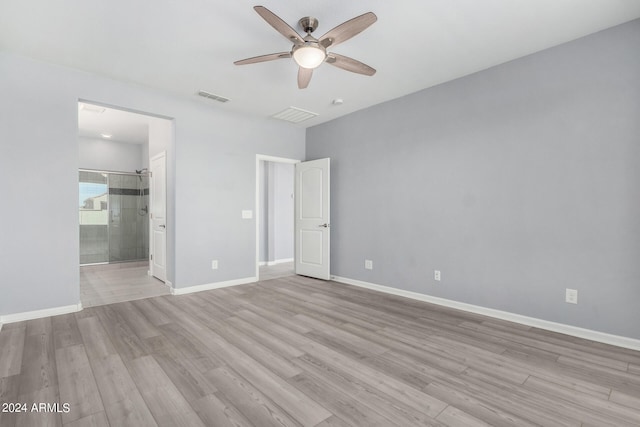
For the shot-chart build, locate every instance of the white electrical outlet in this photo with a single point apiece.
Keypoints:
(571, 296)
(214, 264)
(436, 275)
(368, 264)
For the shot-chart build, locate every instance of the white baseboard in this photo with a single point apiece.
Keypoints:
(37, 314)
(209, 286)
(575, 331)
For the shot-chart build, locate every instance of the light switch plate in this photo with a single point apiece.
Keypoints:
(368, 264)
(247, 214)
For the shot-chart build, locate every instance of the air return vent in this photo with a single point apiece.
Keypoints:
(90, 108)
(213, 96)
(294, 115)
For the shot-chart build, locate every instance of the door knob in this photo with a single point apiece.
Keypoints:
(162, 226)
(325, 225)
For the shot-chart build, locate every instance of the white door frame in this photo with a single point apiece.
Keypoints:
(264, 158)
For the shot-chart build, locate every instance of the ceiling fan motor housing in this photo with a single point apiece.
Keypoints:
(308, 24)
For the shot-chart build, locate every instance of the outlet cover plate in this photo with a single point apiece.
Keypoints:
(436, 275)
(571, 296)
(214, 264)
(368, 264)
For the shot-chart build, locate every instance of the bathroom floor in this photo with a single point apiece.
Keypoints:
(110, 283)
(268, 272)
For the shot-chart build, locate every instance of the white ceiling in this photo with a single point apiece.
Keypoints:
(190, 45)
(95, 121)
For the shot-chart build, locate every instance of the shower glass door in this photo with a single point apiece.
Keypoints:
(114, 220)
(94, 217)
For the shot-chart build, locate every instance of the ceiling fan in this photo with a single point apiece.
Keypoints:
(309, 52)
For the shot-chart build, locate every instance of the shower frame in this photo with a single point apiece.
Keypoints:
(147, 174)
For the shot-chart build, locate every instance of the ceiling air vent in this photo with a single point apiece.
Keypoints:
(213, 96)
(90, 108)
(294, 115)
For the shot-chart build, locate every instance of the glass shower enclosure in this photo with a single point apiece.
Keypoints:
(114, 217)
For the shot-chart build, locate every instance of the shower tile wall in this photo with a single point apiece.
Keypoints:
(129, 225)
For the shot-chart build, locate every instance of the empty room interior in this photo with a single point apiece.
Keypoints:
(320, 213)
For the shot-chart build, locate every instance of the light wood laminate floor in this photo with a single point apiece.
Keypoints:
(284, 269)
(296, 351)
(111, 283)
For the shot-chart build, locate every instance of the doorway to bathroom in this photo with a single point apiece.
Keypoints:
(115, 188)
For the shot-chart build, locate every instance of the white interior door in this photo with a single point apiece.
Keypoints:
(312, 226)
(158, 195)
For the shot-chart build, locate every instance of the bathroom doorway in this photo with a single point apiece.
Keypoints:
(114, 207)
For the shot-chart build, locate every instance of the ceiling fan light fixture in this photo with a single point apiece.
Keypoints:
(309, 55)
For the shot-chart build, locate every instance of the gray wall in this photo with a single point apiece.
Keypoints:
(516, 182)
(110, 155)
(276, 211)
(211, 174)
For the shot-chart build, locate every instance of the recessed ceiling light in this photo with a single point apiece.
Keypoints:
(106, 135)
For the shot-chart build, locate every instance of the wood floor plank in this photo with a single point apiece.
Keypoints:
(151, 312)
(346, 407)
(418, 400)
(94, 420)
(138, 323)
(65, 331)
(453, 417)
(122, 336)
(296, 351)
(591, 405)
(216, 411)
(191, 347)
(121, 399)
(262, 354)
(464, 400)
(96, 341)
(38, 370)
(8, 394)
(338, 337)
(304, 409)
(265, 338)
(11, 348)
(394, 410)
(77, 384)
(254, 405)
(625, 399)
(186, 376)
(166, 403)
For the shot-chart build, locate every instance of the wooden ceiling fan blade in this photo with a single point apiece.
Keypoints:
(276, 22)
(263, 58)
(349, 64)
(304, 77)
(348, 29)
